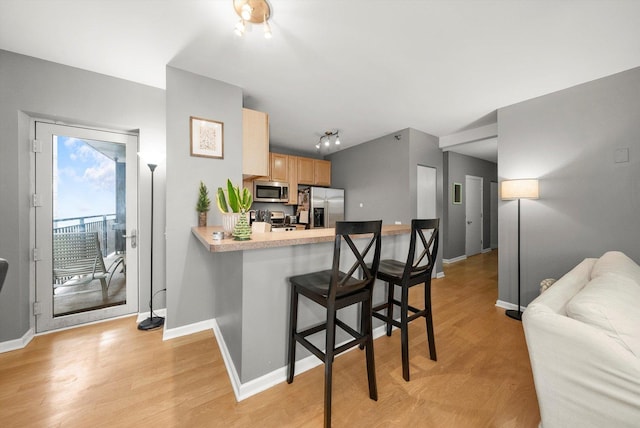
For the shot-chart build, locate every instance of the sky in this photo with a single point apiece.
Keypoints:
(84, 180)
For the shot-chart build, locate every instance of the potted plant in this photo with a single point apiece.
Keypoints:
(233, 207)
(203, 204)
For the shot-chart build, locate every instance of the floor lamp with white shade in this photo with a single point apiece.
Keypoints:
(518, 189)
(153, 321)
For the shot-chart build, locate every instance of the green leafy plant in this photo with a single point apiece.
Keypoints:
(203, 199)
(235, 201)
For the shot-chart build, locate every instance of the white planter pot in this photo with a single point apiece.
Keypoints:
(229, 221)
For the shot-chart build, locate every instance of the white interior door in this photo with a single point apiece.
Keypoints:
(85, 201)
(473, 214)
(426, 189)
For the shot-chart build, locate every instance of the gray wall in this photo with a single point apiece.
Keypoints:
(382, 175)
(424, 150)
(588, 203)
(30, 87)
(194, 275)
(457, 166)
(375, 174)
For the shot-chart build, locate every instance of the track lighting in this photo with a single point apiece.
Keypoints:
(325, 140)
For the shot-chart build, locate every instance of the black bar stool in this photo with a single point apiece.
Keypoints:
(414, 271)
(335, 289)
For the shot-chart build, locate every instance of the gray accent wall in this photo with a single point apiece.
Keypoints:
(194, 275)
(588, 204)
(457, 166)
(33, 88)
(382, 174)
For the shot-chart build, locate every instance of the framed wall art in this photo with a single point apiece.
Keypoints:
(457, 193)
(207, 138)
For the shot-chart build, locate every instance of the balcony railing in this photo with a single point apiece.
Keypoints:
(104, 224)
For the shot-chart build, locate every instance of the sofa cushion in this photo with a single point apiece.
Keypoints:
(617, 263)
(612, 303)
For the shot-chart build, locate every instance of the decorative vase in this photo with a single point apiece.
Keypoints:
(242, 230)
(229, 221)
(202, 219)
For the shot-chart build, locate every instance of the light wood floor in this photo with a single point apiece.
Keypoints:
(111, 374)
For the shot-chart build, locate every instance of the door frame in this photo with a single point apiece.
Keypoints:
(132, 304)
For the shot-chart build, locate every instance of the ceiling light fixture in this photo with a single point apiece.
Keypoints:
(254, 11)
(267, 29)
(239, 30)
(246, 12)
(325, 140)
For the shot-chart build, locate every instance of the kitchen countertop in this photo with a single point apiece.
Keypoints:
(278, 239)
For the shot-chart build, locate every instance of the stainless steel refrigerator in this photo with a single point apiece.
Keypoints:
(326, 206)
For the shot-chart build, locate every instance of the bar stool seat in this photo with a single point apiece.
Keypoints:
(334, 289)
(413, 271)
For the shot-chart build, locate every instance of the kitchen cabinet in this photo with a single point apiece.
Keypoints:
(314, 172)
(279, 169)
(294, 170)
(305, 171)
(292, 179)
(321, 172)
(255, 143)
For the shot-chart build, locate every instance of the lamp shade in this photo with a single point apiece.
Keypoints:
(519, 189)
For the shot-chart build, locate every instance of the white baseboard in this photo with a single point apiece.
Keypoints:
(440, 275)
(245, 390)
(228, 362)
(197, 327)
(455, 259)
(12, 345)
(507, 305)
(486, 250)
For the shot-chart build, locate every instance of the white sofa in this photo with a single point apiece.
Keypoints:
(583, 336)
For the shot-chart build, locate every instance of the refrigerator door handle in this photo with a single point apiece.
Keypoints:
(327, 214)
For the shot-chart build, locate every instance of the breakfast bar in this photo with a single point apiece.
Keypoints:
(253, 319)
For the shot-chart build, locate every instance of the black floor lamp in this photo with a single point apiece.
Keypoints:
(151, 322)
(518, 189)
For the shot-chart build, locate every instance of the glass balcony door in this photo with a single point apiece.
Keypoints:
(85, 225)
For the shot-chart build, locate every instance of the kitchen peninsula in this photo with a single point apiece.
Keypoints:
(254, 315)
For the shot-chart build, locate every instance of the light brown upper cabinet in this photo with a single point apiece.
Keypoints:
(305, 171)
(292, 179)
(255, 143)
(279, 170)
(321, 172)
(314, 172)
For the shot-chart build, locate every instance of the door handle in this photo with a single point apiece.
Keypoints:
(469, 222)
(134, 238)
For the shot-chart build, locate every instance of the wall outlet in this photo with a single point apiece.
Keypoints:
(398, 222)
(361, 205)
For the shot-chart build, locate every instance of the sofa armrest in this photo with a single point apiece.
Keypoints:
(583, 378)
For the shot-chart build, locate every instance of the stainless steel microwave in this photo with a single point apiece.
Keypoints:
(270, 191)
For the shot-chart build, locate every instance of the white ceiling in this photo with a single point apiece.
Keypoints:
(367, 68)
